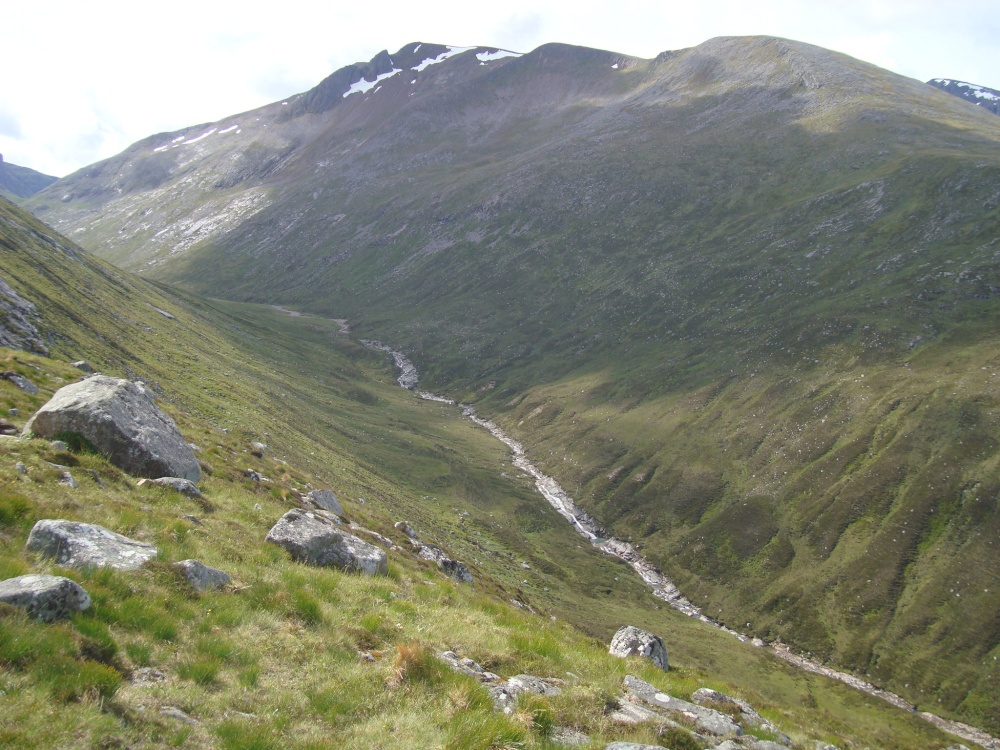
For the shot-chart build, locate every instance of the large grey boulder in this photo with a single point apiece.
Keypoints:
(631, 641)
(312, 539)
(123, 423)
(46, 597)
(202, 577)
(84, 545)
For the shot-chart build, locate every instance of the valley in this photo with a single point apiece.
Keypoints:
(740, 301)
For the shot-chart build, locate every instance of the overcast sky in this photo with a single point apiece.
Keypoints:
(83, 80)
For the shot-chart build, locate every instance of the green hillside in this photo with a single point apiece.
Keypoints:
(741, 300)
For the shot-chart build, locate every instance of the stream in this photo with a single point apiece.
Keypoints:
(662, 587)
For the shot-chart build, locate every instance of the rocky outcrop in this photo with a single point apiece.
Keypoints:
(747, 715)
(123, 423)
(47, 598)
(631, 641)
(707, 720)
(467, 667)
(452, 568)
(505, 694)
(84, 545)
(18, 318)
(202, 577)
(325, 500)
(314, 540)
(21, 382)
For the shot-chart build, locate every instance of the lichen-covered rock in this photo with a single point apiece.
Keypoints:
(748, 715)
(312, 539)
(47, 598)
(202, 577)
(467, 667)
(123, 423)
(707, 720)
(631, 641)
(84, 545)
(631, 746)
(21, 382)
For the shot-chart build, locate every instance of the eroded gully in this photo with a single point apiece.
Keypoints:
(662, 587)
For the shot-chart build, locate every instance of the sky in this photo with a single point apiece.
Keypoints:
(84, 80)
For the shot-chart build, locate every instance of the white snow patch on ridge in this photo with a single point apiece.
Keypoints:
(451, 52)
(364, 86)
(203, 135)
(230, 129)
(498, 55)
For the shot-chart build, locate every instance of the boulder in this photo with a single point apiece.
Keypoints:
(325, 500)
(630, 641)
(631, 746)
(84, 545)
(123, 423)
(201, 576)
(82, 366)
(47, 598)
(452, 568)
(314, 540)
(729, 704)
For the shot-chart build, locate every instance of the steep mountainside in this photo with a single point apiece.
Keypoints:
(21, 182)
(981, 96)
(741, 299)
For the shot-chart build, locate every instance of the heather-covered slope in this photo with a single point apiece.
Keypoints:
(744, 295)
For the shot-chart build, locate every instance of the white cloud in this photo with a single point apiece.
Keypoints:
(87, 79)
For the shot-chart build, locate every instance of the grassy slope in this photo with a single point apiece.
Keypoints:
(274, 663)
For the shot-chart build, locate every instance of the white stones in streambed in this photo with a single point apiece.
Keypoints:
(313, 539)
(46, 598)
(631, 641)
(85, 545)
(120, 419)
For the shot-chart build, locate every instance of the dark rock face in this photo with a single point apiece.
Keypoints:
(124, 424)
(314, 540)
(630, 641)
(21, 382)
(47, 598)
(981, 96)
(84, 545)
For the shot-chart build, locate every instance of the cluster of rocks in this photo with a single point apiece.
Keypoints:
(455, 569)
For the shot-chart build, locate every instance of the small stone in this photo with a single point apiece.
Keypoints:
(175, 713)
(184, 486)
(202, 577)
(21, 468)
(68, 480)
(13, 412)
(257, 446)
(192, 519)
(83, 366)
(59, 445)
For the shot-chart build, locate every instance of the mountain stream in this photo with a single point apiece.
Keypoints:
(662, 587)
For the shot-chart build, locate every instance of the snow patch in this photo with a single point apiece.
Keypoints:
(615, 66)
(417, 47)
(203, 135)
(498, 55)
(161, 148)
(230, 129)
(364, 86)
(413, 81)
(451, 52)
(178, 139)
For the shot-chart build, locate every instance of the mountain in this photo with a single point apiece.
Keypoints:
(21, 182)
(981, 96)
(740, 300)
(300, 657)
